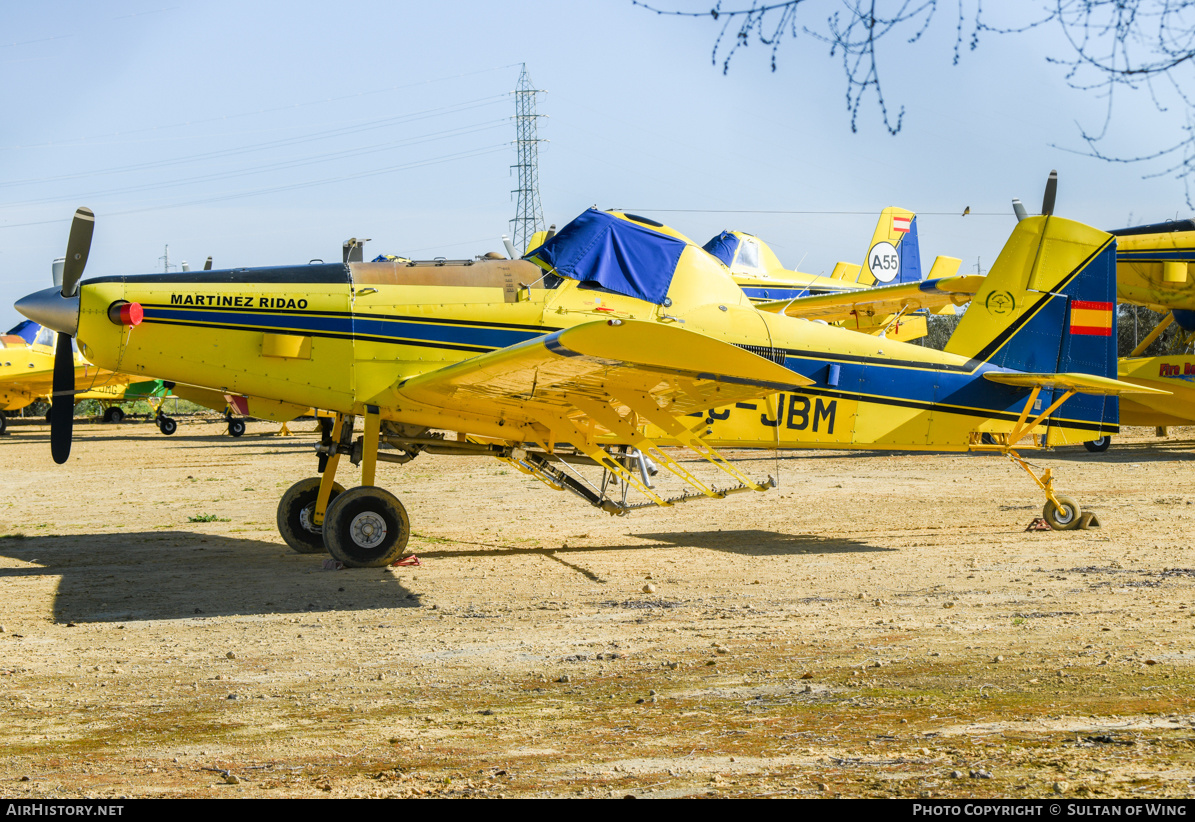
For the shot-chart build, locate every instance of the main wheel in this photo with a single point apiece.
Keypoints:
(113, 414)
(236, 428)
(1064, 518)
(295, 511)
(366, 527)
(3, 422)
(167, 425)
(1098, 446)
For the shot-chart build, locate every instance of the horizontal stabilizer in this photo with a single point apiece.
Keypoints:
(887, 299)
(1081, 383)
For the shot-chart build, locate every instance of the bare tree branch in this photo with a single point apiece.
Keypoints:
(1137, 46)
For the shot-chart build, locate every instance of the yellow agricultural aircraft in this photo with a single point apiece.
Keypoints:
(27, 371)
(592, 353)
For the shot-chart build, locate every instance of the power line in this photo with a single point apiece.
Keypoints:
(340, 131)
(291, 107)
(464, 155)
(283, 164)
(814, 211)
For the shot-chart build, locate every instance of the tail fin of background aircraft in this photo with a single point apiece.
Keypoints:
(893, 255)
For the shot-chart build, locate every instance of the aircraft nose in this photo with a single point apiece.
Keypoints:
(49, 308)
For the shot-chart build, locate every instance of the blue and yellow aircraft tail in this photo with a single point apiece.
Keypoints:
(1047, 310)
(893, 255)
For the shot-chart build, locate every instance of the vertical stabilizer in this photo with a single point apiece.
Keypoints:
(1049, 303)
(1048, 306)
(894, 255)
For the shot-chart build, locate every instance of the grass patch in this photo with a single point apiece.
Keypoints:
(207, 518)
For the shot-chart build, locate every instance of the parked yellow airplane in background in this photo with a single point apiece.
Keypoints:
(616, 327)
(893, 257)
(27, 371)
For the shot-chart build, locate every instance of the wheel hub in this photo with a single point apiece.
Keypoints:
(305, 519)
(368, 529)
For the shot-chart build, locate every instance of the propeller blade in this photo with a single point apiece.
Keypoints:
(1018, 208)
(77, 249)
(208, 265)
(1047, 203)
(62, 412)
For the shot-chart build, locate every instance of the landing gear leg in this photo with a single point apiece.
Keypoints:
(328, 470)
(366, 527)
(1061, 513)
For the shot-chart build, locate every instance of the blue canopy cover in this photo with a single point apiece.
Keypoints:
(621, 256)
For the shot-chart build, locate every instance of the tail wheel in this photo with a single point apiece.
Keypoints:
(1064, 516)
(167, 425)
(366, 527)
(236, 427)
(295, 511)
(1098, 446)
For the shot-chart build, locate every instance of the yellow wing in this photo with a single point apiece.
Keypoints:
(602, 383)
(682, 371)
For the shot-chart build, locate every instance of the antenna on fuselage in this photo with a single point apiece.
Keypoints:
(353, 250)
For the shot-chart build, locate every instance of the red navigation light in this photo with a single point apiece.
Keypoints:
(126, 314)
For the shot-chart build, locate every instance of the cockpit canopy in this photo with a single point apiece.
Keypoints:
(743, 254)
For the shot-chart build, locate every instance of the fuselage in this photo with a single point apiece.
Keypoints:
(344, 337)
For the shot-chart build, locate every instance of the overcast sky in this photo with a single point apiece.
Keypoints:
(265, 133)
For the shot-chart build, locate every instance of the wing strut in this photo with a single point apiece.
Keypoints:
(628, 467)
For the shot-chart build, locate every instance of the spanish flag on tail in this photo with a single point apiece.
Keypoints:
(1091, 318)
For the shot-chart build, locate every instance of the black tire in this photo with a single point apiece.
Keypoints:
(1065, 518)
(167, 425)
(113, 414)
(48, 412)
(294, 515)
(3, 422)
(366, 527)
(1098, 446)
(236, 428)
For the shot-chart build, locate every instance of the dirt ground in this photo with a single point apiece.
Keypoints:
(879, 625)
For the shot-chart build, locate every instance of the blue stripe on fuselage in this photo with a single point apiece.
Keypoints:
(344, 325)
(928, 387)
(772, 292)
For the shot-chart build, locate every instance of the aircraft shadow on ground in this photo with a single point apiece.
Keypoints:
(757, 543)
(271, 441)
(1166, 451)
(745, 542)
(180, 575)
